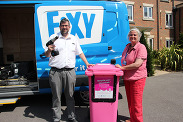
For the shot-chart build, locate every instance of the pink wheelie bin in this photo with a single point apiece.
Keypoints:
(103, 92)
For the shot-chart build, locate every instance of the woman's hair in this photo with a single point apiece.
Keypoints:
(138, 32)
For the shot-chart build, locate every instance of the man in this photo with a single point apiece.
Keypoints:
(62, 74)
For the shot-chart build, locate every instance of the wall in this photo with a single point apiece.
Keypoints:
(179, 20)
(155, 28)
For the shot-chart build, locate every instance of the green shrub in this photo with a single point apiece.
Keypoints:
(150, 63)
(171, 58)
(155, 55)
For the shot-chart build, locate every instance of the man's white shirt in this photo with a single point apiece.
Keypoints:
(68, 49)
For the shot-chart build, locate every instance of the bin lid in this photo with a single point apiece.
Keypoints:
(104, 69)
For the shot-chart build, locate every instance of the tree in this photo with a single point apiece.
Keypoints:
(150, 64)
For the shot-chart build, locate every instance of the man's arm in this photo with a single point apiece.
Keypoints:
(82, 56)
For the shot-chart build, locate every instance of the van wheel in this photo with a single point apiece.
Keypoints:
(84, 95)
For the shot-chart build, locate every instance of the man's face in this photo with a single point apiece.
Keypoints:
(64, 28)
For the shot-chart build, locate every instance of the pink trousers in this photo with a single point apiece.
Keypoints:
(134, 93)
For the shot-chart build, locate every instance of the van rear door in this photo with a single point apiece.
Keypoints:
(18, 63)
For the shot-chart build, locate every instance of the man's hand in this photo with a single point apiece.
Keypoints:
(88, 65)
(51, 47)
(82, 56)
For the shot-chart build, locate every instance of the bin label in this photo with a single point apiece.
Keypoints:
(103, 87)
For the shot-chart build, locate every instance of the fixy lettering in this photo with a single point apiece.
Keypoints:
(88, 24)
(74, 20)
(51, 24)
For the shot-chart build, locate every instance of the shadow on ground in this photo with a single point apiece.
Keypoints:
(39, 106)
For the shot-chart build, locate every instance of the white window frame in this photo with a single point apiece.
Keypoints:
(130, 3)
(168, 24)
(168, 42)
(149, 13)
(131, 12)
(164, 0)
(151, 46)
(149, 38)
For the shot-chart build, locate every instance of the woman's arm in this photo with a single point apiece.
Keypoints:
(134, 65)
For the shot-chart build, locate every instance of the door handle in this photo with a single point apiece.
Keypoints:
(109, 47)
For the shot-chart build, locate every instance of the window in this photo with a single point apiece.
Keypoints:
(148, 12)
(130, 6)
(164, 0)
(112, 26)
(169, 20)
(130, 12)
(169, 43)
(151, 43)
(150, 40)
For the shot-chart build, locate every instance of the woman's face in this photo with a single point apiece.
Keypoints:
(133, 37)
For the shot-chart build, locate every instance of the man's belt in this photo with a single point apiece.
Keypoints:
(62, 69)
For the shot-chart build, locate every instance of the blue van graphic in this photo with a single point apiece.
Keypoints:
(100, 26)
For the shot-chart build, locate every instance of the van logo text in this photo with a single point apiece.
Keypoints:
(74, 20)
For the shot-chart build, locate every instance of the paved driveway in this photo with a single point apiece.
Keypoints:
(163, 98)
(163, 102)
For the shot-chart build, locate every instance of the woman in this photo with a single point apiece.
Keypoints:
(133, 62)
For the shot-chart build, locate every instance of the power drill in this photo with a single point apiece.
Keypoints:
(53, 52)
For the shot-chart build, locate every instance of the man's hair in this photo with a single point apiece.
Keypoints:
(64, 20)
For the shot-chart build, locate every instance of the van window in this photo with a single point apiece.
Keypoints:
(111, 26)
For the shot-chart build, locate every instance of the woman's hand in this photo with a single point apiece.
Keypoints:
(118, 66)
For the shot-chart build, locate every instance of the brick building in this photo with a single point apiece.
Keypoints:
(178, 20)
(157, 19)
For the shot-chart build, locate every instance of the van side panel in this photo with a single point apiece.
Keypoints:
(86, 24)
(101, 28)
